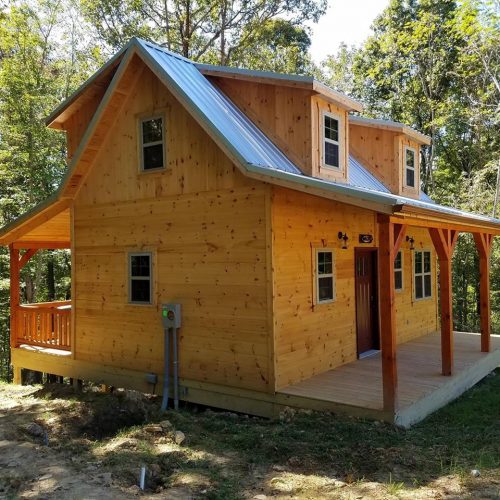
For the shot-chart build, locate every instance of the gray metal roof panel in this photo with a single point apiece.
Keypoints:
(360, 176)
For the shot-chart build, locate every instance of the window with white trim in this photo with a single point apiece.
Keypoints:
(140, 278)
(410, 166)
(325, 286)
(331, 141)
(151, 132)
(422, 274)
(398, 271)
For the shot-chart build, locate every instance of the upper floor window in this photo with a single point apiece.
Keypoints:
(331, 141)
(140, 278)
(152, 143)
(398, 271)
(410, 166)
(423, 274)
(325, 288)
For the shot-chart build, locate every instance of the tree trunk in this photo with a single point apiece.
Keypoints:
(51, 286)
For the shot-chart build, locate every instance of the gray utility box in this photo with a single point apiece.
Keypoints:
(171, 315)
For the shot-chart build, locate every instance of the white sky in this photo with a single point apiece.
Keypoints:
(346, 21)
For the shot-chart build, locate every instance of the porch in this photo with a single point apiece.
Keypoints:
(421, 388)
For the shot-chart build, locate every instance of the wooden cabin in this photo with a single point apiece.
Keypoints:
(294, 235)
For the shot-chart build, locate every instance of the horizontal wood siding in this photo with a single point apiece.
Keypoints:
(311, 339)
(206, 227)
(415, 318)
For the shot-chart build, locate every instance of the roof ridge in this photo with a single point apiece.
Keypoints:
(155, 46)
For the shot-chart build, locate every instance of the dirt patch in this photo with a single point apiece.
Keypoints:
(56, 442)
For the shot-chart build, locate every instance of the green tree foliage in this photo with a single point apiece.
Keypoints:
(216, 31)
(435, 65)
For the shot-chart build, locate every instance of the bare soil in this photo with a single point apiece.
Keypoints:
(56, 442)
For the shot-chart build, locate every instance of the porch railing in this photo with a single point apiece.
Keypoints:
(47, 324)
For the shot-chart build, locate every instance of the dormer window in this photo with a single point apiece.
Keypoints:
(331, 141)
(410, 166)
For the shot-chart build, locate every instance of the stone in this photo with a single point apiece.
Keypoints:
(260, 497)
(154, 429)
(179, 437)
(475, 473)
(35, 430)
(166, 425)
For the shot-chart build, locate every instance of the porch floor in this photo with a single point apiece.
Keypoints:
(45, 350)
(421, 387)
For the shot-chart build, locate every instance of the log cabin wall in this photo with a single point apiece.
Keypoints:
(310, 339)
(207, 228)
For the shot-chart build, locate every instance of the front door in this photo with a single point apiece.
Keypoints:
(366, 300)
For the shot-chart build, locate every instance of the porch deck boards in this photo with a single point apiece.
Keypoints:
(359, 383)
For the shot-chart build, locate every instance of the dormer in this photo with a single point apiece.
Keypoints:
(307, 120)
(390, 151)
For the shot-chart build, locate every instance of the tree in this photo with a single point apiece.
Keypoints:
(204, 30)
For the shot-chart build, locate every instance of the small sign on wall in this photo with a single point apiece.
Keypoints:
(365, 238)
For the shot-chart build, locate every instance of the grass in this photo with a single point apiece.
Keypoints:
(227, 456)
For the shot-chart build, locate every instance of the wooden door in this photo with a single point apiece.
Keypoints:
(366, 300)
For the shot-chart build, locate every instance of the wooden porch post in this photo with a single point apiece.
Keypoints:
(483, 244)
(444, 241)
(390, 238)
(14, 293)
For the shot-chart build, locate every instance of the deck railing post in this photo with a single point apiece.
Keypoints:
(390, 237)
(14, 294)
(484, 244)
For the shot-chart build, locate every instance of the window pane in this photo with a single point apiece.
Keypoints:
(427, 285)
(152, 130)
(324, 262)
(418, 287)
(140, 291)
(398, 280)
(410, 177)
(331, 128)
(410, 158)
(427, 262)
(153, 157)
(140, 265)
(398, 261)
(418, 262)
(325, 289)
(331, 154)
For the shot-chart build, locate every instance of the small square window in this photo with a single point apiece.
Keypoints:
(325, 289)
(140, 278)
(152, 143)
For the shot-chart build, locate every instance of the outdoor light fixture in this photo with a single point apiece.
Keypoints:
(411, 240)
(343, 236)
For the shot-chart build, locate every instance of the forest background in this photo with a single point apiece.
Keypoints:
(432, 64)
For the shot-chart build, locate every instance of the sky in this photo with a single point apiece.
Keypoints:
(346, 21)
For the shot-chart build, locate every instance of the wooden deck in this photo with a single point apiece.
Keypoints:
(421, 387)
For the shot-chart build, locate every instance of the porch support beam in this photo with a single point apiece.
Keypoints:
(444, 241)
(27, 256)
(390, 238)
(48, 245)
(484, 243)
(14, 293)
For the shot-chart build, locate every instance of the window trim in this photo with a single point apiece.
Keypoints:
(140, 121)
(406, 167)
(130, 278)
(317, 251)
(401, 270)
(423, 274)
(324, 139)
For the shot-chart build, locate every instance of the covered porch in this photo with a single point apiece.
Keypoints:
(45, 326)
(357, 387)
